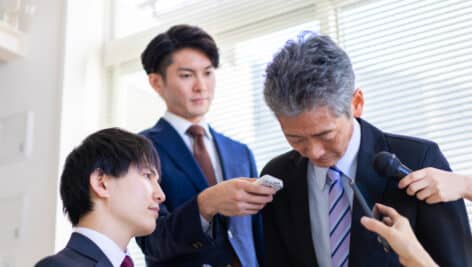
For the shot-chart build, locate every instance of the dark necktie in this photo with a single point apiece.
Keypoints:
(201, 154)
(339, 218)
(127, 262)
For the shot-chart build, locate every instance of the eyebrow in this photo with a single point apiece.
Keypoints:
(317, 134)
(193, 70)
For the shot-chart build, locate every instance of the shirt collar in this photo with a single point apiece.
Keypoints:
(350, 156)
(345, 163)
(181, 125)
(111, 250)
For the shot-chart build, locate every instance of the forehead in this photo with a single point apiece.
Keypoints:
(190, 58)
(309, 122)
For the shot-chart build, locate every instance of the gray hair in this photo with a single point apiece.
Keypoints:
(309, 72)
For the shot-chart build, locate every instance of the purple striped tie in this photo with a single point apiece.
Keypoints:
(339, 218)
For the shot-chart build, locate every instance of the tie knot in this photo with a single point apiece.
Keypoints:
(196, 130)
(127, 262)
(333, 175)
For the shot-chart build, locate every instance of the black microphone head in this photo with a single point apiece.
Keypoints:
(386, 164)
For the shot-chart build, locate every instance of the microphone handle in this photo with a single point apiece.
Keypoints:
(368, 212)
(402, 171)
(361, 199)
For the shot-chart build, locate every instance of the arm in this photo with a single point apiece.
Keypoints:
(177, 234)
(434, 185)
(443, 229)
(274, 250)
(400, 237)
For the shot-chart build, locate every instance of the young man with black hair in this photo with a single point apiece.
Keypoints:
(110, 192)
(206, 219)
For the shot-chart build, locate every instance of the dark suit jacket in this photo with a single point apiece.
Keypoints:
(443, 229)
(80, 251)
(178, 239)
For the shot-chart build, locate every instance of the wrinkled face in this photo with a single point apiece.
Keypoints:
(318, 135)
(188, 85)
(135, 198)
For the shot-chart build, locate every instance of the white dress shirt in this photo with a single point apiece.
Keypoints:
(111, 250)
(318, 196)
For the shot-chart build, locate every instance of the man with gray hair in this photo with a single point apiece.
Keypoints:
(315, 219)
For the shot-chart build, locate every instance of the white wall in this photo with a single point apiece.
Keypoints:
(34, 83)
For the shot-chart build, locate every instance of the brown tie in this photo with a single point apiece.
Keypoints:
(201, 154)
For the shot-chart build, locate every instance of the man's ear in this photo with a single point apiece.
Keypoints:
(157, 82)
(357, 103)
(99, 184)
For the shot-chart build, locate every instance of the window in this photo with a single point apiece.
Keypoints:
(413, 60)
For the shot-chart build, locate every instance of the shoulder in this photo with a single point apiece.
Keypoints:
(227, 141)
(282, 163)
(396, 143)
(64, 258)
(160, 127)
(397, 140)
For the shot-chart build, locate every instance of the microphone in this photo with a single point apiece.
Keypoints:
(387, 164)
(364, 206)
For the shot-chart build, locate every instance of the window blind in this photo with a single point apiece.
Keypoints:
(413, 60)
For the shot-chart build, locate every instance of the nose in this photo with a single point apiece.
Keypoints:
(158, 194)
(314, 151)
(200, 83)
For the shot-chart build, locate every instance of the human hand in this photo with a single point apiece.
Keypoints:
(234, 197)
(397, 231)
(434, 185)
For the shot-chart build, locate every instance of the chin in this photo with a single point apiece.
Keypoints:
(324, 163)
(147, 229)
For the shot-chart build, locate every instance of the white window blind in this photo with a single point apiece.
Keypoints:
(413, 60)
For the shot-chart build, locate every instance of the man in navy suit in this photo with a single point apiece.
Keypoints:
(210, 215)
(110, 192)
(315, 219)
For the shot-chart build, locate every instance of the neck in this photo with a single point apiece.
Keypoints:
(108, 227)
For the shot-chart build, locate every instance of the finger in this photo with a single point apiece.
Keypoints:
(433, 199)
(388, 211)
(410, 178)
(258, 189)
(375, 226)
(425, 193)
(387, 220)
(414, 187)
(258, 199)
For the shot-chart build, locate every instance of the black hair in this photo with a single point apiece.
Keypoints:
(158, 54)
(111, 151)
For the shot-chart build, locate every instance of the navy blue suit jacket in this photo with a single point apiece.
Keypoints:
(80, 252)
(179, 239)
(443, 229)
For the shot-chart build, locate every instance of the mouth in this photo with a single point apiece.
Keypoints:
(199, 100)
(155, 210)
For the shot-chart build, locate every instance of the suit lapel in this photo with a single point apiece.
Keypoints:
(86, 247)
(297, 185)
(227, 161)
(167, 138)
(364, 246)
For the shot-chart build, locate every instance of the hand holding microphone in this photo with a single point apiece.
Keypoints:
(397, 231)
(430, 184)
(433, 185)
